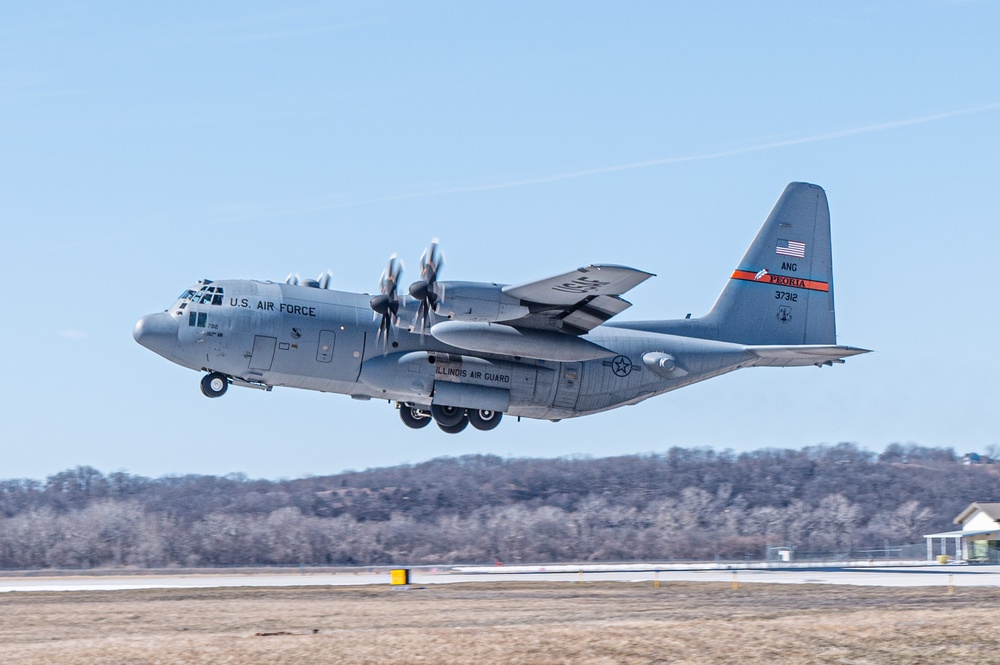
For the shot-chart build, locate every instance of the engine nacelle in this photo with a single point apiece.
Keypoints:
(477, 301)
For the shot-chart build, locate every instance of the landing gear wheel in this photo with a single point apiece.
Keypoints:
(414, 417)
(455, 429)
(484, 420)
(214, 384)
(447, 415)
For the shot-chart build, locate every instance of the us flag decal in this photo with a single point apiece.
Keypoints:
(791, 248)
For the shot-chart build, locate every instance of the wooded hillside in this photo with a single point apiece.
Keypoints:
(682, 504)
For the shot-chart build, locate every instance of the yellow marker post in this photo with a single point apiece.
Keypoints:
(656, 579)
(951, 584)
(399, 577)
(736, 585)
(580, 578)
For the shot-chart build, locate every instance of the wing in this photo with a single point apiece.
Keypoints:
(578, 301)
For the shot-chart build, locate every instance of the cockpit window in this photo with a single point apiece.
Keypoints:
(208, 295)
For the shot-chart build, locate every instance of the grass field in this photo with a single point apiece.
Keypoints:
(540, 623)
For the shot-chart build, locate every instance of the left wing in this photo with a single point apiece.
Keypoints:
(578, 301)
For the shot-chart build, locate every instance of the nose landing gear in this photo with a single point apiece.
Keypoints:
(214, 384)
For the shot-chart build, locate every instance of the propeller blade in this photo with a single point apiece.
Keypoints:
(426, 289)
(431, 262)
(420, 320)
(389, 281)
(386, 303)
(324, 279)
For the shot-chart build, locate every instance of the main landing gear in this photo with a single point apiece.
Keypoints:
(449, 419)
(485, 420)
(414, 417)
(214, 384)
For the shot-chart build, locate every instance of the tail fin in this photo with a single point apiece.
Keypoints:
(782, 291)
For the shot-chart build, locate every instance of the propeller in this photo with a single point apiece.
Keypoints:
(321, 282)
(324, 279)
(386, 303)
(426, 289)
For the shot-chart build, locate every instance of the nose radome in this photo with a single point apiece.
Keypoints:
(157, 332)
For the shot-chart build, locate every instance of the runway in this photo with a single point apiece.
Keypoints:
(908, 576)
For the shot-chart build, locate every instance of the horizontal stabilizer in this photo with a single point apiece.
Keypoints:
(802, 355)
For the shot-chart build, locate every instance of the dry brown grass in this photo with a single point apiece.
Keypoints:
(504, 623)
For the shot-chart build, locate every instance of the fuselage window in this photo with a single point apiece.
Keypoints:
(202, 316)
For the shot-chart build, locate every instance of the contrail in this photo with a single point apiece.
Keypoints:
(843, 133)
(556, 177)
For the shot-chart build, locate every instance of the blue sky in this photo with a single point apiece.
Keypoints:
(145, 146)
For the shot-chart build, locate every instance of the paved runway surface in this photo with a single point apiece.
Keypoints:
(902, 576)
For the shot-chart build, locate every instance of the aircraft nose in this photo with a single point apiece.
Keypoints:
(157, 332)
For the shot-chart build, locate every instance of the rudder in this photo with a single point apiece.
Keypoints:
(782, 291)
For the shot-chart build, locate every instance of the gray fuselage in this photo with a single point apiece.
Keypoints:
(268, 334)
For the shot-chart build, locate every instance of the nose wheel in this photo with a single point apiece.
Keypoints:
(214, 384)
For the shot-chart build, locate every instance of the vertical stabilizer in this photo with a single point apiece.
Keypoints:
(782, 291)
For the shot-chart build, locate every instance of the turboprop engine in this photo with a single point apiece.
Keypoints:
(430, 300)
(478, 302)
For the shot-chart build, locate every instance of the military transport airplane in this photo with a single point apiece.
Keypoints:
(469, 352)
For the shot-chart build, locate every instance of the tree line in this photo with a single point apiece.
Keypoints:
(685, 503)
